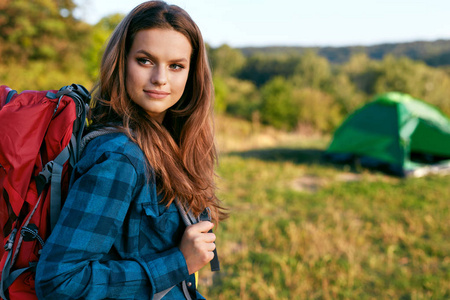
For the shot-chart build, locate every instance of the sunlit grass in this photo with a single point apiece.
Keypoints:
(301, 228)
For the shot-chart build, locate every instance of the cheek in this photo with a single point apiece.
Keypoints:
(180, 83)
(130, 80)
(128, 76)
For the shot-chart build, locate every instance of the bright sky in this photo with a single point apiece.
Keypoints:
(240, 23)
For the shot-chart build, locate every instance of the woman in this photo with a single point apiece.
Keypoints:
(120, 235)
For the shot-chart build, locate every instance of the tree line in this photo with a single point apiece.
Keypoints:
(435, 53)
(43, 46)
(293, 89)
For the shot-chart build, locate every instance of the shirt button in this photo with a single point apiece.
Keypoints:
(189, 284)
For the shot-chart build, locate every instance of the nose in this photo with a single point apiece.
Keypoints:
(159, 76)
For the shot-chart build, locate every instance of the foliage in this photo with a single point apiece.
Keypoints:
(96, 43)
(39, 30)
(345, 87)
(226, 61)
(41, 44)
(277, 104)
(414, 78)
(433, 53)
(260, 68)
(40, 75)
(221, 92)
(312, 71)
(243, 98)
(317, 109)
(346, 95)
(362, 72)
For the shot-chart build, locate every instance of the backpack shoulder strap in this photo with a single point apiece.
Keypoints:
(189, 219)
(92, 135)
(53, 170)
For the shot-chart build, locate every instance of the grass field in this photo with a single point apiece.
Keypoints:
(302, 228)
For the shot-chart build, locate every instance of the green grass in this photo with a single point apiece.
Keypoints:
(301, 228)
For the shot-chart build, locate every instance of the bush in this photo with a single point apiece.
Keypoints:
(278, 107)
(242, 98)
(317, 109)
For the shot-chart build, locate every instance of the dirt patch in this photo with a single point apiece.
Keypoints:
(348, 177)
(308, 183)
(312, 183)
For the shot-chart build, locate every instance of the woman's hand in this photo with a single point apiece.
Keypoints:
(197, 245)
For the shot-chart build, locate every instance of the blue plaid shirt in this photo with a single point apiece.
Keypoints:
(113, 238)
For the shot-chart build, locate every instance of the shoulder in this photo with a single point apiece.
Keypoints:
(115, 142)
(113, 146)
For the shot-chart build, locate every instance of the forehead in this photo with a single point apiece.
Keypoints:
(163, 43)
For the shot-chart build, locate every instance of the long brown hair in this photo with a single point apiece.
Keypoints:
(181, 150)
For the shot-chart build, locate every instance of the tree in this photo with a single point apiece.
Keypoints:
(414, 78)
(278, 108)
(242, 99)
(345, 93)
(96, 43)
(362, 72)
(317, 109)
(226, 61)
(41, 44)
(221, 93)
(260, 68)
(39, 29)
(312, 71)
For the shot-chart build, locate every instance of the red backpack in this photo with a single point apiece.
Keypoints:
(39, 136)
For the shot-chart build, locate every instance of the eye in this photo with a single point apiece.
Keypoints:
(176, 67)
(144, 61)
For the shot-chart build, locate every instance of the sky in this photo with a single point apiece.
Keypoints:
(304, 23)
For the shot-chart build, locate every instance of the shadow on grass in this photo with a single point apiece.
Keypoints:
(297, 156)
(303, 156)
(314, 156)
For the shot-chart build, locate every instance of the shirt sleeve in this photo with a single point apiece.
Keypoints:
(74, 261)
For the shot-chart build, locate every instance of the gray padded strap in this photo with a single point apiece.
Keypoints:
(188, 219)
(185, 291)
(161, 294)
(92, 135)
(55, 187)
(186, 214)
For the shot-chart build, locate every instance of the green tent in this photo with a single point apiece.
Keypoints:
(395, 132)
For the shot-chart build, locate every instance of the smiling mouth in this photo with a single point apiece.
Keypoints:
(156, 94)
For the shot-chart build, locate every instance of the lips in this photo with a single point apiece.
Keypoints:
(155, 94)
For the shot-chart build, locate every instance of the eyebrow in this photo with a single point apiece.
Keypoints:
(181, 59)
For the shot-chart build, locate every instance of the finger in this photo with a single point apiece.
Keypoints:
(203, 226)
(210, 256)
(210, 247)
(200, 227)
(209, 237)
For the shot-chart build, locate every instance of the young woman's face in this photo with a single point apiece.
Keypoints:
(157, 70)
